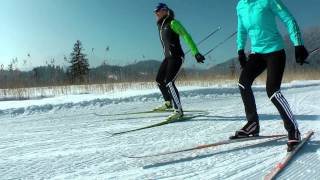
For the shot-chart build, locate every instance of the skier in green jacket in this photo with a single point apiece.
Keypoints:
(257, 19)
(169, 31)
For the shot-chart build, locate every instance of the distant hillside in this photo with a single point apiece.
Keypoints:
(147, 70)
(142, 70)
(144, 66)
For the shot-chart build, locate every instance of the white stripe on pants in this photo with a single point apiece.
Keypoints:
(175, 96)
(285, 106)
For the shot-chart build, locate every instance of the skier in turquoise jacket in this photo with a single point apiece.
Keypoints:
(257, 19)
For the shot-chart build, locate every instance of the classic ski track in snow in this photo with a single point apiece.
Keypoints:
(70, 142)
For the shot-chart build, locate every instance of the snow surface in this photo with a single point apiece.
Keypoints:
(62, 138)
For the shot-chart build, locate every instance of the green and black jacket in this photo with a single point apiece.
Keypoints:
(170, 30)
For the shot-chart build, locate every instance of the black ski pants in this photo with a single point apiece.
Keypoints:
(274, 63)
(166, 77)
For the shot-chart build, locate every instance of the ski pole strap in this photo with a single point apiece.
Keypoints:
(222, 42)
(204, 39)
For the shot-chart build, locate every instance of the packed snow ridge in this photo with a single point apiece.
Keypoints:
(49, 104)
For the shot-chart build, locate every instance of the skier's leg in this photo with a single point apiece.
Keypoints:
(161, 80)
(275, 64)
(173, 68)
(254, 67)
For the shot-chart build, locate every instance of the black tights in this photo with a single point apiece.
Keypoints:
(275, 64)
(166, 76)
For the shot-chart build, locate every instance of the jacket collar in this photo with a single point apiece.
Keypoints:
(164, 19)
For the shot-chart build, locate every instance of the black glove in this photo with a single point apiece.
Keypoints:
(200, 58)
(242, 58)
(301, 54)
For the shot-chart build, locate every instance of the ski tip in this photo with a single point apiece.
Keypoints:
(96, 114)
(280, 166)
(196, 111)
(110, 134)
(133, 157)
(128, 156)
(101, 115)
(308, 134)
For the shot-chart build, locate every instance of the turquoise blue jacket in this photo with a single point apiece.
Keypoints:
(257, 19)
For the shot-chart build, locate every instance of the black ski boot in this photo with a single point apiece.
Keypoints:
(251, 129)
(294, 140)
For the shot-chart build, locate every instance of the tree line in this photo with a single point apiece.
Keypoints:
(79, 71)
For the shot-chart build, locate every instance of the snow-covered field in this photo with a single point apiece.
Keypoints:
(62, 138)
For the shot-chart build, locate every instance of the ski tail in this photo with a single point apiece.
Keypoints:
(282, 165)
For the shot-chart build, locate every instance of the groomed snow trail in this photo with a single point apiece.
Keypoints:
(70, 142)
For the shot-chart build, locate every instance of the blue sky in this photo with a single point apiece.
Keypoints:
(48, 28)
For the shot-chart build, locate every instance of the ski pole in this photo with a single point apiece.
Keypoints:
(314, 51)
(222, 42)
(204, 39)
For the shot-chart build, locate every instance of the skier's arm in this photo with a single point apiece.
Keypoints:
(286, 17)
(177, 27)
(242, 35)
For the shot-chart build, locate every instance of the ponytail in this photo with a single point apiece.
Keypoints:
(171, 13)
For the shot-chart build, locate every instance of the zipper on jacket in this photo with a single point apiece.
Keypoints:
(160, 33)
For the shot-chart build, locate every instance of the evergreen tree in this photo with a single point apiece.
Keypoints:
(79, 68)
